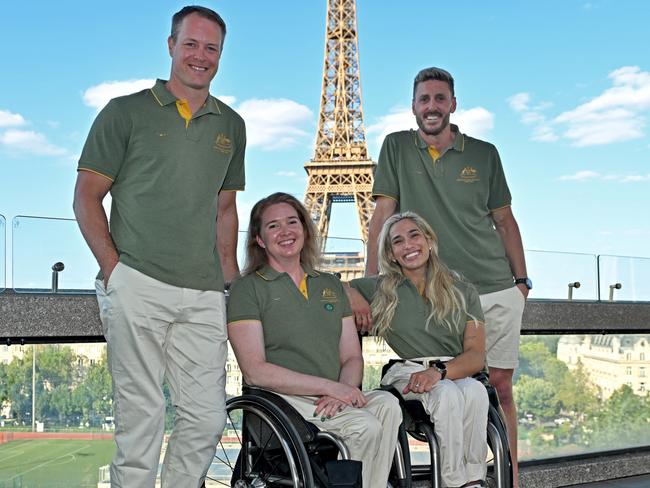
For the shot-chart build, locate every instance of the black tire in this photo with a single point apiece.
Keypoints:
(259, 445)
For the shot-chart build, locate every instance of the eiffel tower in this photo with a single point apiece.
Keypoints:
(340, 170)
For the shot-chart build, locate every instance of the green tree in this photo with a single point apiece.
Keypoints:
(19, 387)
(624, 420)
(371, 377)
(578, 394)
(536, 396)
(94, 395)
(532, 356)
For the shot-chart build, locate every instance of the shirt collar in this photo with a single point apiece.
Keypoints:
(458, 144)
(269, 273)
(165, 97)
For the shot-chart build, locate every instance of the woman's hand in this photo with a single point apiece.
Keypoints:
(349, 395)
(327, 406)
(422, 381)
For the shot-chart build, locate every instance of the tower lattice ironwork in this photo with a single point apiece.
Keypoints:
(340, 170)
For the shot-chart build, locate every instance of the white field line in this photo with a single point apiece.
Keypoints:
(38, 466)
(25, 446)
(14, 454)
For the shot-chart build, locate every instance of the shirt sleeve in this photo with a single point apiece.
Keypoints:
(107, 142)
(499, 191)
(365, 286)
(386, 181)
(346, 309)
(235, 179)
(243, 303)
(474, 310)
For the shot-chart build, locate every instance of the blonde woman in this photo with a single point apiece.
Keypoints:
(292, 331)
(433, 320)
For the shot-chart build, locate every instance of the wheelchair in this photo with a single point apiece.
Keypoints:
(267, 443)
(418, 425)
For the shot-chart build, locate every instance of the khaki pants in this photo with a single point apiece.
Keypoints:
(459, 412)
(370, 433)
(156, 331)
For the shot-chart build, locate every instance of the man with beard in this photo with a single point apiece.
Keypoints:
(457, 184)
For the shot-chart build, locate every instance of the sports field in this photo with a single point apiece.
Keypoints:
(53, 463)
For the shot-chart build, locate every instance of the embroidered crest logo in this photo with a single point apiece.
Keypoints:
(329, 295)
(468, 175)
(222, 143)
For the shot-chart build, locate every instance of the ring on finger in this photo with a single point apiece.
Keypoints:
(417, 385)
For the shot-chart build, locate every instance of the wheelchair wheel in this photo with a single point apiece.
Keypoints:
(259, 448)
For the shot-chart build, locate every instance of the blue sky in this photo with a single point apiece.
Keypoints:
(562, 87)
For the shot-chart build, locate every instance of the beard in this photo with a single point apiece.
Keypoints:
(435, 131)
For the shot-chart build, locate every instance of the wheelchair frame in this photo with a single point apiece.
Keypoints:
(277, 446)
(418, 424)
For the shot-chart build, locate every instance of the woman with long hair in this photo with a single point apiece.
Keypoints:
(292, 331)
(432, 320)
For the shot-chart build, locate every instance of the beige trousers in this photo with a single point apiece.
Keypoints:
(370, 433)
(156, 331)
(459, 412)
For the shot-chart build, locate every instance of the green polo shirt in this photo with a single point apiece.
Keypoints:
(408, 337)
(166, 178)
(300, 334)
(456, 194)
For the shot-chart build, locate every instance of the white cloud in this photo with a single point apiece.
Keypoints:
(227, 99)
(9, 119)
(476, 122)
(274, 123)
(544, 133)
(30, 142)
(288, 174)
(593, 175)
(519, 102)
(617, 114)
(581, 176)
(99, 95)
(399, 118)
(270, 123)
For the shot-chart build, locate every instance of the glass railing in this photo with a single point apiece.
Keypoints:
(559, 275)
(3, 253)
(580, 394)
(624, 278)
(39, 243)
(49, 255)
(576, 394)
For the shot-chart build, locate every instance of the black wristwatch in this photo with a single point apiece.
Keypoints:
(524, 281)
(441, 368)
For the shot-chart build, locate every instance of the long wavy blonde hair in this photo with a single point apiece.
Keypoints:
(446, 302)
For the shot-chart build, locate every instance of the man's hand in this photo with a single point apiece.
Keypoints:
(524, 290)
(107, 271)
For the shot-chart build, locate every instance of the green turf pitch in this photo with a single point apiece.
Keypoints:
(53, 463)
